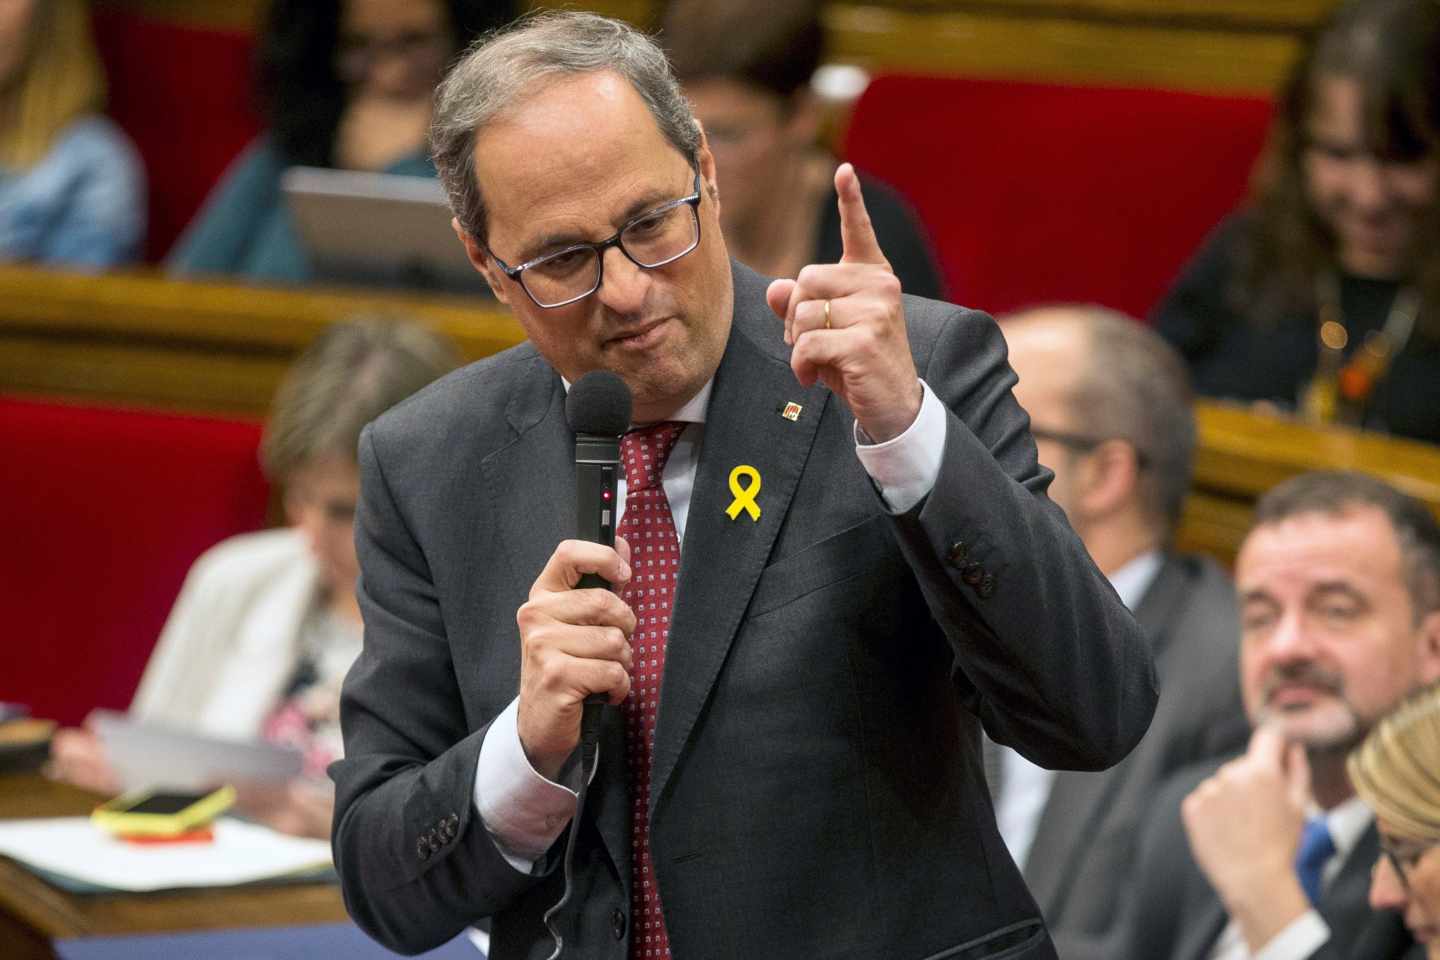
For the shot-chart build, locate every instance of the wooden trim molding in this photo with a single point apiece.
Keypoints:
(1060, 50)
(1204, 45)
(143, 340)
(1243, 454)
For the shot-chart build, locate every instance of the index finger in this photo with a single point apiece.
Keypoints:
(573, 559)
(1268, 746)
(857, 233)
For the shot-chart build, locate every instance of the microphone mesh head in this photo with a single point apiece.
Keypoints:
(598, 403)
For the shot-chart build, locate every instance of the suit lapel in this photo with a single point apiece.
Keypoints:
(1162, 598)
(1345, 904)
(531, 482)
(721, 558)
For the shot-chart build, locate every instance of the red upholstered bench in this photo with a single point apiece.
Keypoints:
(104, 511)
(1037, 193)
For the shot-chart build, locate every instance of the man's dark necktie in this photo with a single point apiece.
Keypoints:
(649, 528)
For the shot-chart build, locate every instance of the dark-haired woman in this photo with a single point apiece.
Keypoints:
(344, 84)
(1324, 295)
(746, 67)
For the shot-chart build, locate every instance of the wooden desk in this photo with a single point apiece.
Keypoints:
(33, 913)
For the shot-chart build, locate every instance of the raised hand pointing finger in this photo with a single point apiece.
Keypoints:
(857, 234)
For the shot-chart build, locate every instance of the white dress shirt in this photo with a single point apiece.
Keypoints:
(1024, 786)
(1308, 932)
(524, 811)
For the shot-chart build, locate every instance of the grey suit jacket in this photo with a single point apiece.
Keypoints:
(1174, 914)
(1084, 845)
(817, 787)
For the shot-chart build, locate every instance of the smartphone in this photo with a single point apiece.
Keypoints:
(148, 813)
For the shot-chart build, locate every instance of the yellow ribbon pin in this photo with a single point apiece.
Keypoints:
(744, 496)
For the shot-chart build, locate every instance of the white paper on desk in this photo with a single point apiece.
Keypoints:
(240, 853)
(154, 757)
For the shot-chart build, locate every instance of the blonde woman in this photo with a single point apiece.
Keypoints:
(72, 189)
(1397, 772)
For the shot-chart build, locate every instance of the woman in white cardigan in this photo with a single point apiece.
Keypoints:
(267, 623)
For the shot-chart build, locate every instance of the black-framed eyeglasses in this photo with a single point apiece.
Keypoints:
(1403, 857)
(1082, 443)
(653, 239)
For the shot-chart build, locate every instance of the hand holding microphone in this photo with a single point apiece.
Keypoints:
(575, 632)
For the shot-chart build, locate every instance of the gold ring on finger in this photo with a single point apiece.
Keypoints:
(827, 315)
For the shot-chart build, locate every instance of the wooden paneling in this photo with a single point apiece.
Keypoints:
(216, 14)
(1243, 454)
(1222, 45)
(144, 340)
(221, 347)
(1204, 45)
(1059, 50)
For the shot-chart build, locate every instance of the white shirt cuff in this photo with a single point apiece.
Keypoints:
(905, 467)
(1305, 934)
(523, 811)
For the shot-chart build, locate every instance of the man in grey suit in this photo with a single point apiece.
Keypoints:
(868, 571)
(1268, 855)
(1110, 410)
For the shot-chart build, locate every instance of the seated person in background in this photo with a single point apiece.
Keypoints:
(1324, 295)
(72, 189)
(1394, 772)
(745, 66)
(1269, 856)
(344, 84)
(267, 623)
(1109, 406)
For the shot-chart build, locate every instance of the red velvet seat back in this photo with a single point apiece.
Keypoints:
(1037, 193)
(185, 96)
(104, 511)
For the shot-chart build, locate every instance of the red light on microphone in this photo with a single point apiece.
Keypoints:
(605, 495)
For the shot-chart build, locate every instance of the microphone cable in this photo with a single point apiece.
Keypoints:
(589, 759)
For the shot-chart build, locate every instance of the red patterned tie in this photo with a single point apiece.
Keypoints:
(649, 528)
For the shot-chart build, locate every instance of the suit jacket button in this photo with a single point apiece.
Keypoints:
(422, 849)
(959, 550)
(972, 573)
(617, 923)
(987, 586)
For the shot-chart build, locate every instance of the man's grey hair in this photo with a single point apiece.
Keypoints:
(504, 67)
(1133, 386)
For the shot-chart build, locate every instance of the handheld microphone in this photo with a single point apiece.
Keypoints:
(598, 411)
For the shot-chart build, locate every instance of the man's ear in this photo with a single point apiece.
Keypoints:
(709, 183)
(802, 121)
(1429, 640)
(1109, 476)
(481, 261)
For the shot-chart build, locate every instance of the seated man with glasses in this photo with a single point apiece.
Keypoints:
(1270, 855)
(835, 562)
(1109, 405)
